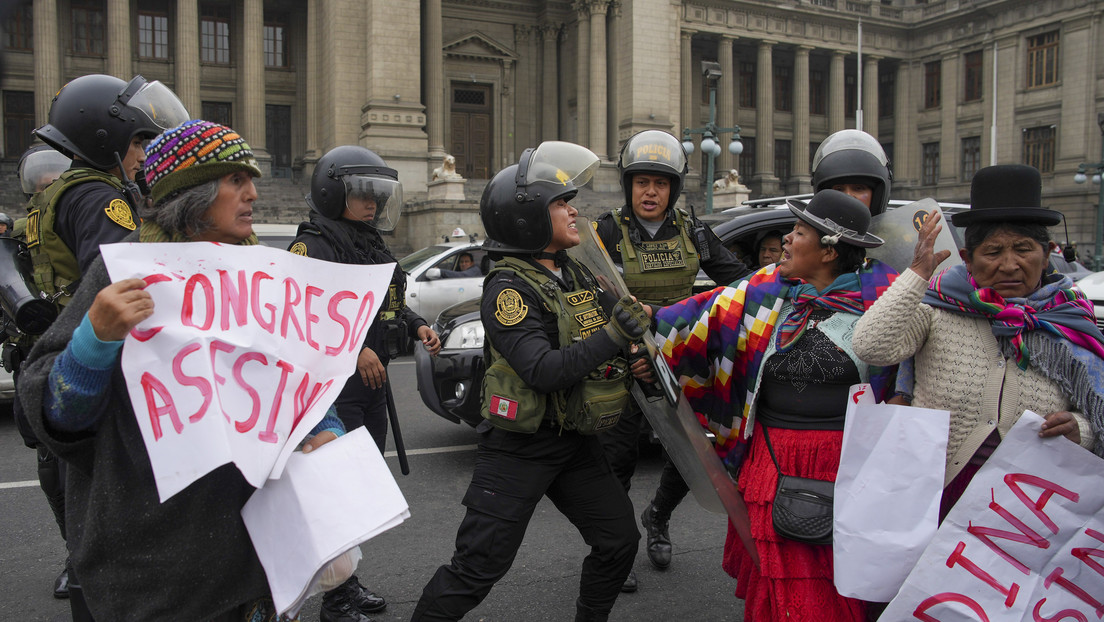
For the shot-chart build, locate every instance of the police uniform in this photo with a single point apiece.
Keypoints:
(351, 242)
(659, 270)
(545, 347)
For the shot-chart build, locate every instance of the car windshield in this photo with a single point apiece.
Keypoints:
(409, 262)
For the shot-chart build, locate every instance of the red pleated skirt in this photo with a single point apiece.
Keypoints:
(794, 581)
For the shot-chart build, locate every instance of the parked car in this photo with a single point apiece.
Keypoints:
(1093, 286)
(427, 291)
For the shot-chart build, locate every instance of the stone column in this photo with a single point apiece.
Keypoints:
(312, 148)
(686, 105)
(950, 151)
(432, 42)
(726, 106)
(117, 39)
(764, 121)
(800, 145)
(550, 126)
(870, 95)
(47, 60)
(904, 136)
(835, 93)
(582, 73)
(186, 62)
(598, 83)
(251, 82)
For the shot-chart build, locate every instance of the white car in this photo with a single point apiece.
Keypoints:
(428, 291)
(1093, 286)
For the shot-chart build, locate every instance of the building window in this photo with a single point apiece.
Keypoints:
(783, 88)
(747, 85)
(971, 91)
(818, 92)
(747, 157)
(153, 35)
(930, 164)
(19, 31)
(1042, 59)
(782, 159)
(19, 122)
(933, 76)
(275, 40)
(88, 29)
(887, 93)
(850, 95)
(214, 34)
(971, 157)
(1038, 148)
(218, 112)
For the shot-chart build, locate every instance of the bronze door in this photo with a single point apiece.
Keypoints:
(470, 140)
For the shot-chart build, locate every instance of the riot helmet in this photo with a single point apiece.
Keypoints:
(358, 174)
(853, 156)
(514, 206)
(39, 167)
(95, 117)
(655, 152)
(7, 222)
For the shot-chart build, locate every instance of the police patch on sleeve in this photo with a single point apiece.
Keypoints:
(509, 307)
(119, 212)
(299, 249)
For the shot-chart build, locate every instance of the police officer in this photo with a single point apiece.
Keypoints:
(854, 163)
(38, 167)
(659, 249)
(6, 225)
(556, 375)
(101, 124)
(355, 195)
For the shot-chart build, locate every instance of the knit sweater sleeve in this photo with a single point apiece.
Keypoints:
(79, 379)
(897, 325)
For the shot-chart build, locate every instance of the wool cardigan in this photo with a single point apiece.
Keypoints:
(958, 367)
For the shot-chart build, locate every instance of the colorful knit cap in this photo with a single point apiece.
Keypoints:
(195, 152)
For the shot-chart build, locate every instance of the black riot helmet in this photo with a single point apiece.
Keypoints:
(514, 206)
(654, 152)
(853, 156)
(95, 117)
(39, 166)
(355, 173)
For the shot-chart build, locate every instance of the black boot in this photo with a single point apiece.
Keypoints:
(659, 542)
(364, 600)
(339, 604)
(586, 614)
(630, 584)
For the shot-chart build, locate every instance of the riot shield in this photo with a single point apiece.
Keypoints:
(671, 417)
(899, 228)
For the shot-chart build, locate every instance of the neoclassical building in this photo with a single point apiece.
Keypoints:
(947, 86)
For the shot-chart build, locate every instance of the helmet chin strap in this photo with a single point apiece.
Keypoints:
(559, 257)
(131, 188)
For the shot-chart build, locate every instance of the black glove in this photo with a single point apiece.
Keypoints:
(628, 321)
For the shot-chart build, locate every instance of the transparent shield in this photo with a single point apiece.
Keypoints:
(849, 139)
(41, 168)
(374, 200)
(561, 162)
(159, 105)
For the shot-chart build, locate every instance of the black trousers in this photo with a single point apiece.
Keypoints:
(512, 473)
(358, 405)
(622, 443)
(671, 491)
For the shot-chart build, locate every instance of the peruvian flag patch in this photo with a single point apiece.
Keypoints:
(504, 407)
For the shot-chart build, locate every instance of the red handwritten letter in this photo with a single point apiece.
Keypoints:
(151, 385)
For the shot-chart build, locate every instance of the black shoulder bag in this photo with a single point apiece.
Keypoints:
(802, 506)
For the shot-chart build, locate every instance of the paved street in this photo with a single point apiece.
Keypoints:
(541, 586)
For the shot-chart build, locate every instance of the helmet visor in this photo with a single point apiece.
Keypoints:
(374, 200)
(41, 168)
(158, 104)
(562, 163)
(850, 140)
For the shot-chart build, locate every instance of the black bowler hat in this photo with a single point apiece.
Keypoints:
(1007, 193)
(835, 213)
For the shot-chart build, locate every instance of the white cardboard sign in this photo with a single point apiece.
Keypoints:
(247, 348)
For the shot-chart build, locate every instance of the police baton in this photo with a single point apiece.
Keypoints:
(393, 415)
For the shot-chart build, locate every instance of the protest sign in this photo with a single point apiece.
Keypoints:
(246, 349)
(888, 487)
(1025, 541)
(303, 520)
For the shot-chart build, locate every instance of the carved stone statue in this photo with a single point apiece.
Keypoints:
(729, 183)
(447, 170)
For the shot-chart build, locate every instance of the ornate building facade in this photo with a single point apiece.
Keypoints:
(947, 86)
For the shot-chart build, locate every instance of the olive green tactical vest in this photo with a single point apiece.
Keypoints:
(594, 404)
(659, 272)
(54, 264)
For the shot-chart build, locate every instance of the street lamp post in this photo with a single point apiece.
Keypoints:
(710, 142)
(1096, 170)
